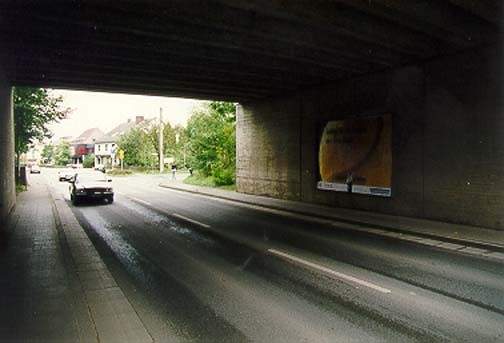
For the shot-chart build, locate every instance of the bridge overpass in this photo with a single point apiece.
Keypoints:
(430, 71)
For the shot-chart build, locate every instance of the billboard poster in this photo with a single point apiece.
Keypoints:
(355, 156)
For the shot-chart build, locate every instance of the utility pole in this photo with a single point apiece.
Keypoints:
(161, 155)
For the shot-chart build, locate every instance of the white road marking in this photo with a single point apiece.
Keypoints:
(328, 271)
(176, 215)
(338, 224)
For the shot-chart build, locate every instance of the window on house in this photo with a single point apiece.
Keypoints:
(99, 147)
(106, 147)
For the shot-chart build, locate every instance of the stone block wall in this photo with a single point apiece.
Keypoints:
(268, 149)
(7, 185)
(447, 143)
(464, 150)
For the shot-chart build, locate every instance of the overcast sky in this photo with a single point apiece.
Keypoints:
(106, 110)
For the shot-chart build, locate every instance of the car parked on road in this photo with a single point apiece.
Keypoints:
(34, 169)
(66, 174)
(100, 167)
(90, 185)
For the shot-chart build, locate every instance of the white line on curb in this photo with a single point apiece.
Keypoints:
(329, 271)
(364, 227)
(141, 201)
(176, 215)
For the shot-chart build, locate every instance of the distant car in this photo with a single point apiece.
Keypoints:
(34, 169)
(66, 174)
(99, 167)
(91, 186)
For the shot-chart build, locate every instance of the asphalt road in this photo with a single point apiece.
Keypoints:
(201, 269)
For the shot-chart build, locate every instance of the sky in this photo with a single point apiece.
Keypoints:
(107, 110)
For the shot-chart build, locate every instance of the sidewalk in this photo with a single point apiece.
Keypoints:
(54, 285)
(466, 239)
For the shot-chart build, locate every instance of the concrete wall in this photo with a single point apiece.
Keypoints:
(268, 149)
(448, 140)
(7, 186)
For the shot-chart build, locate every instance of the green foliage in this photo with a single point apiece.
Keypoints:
(171, 146)
(223, 109)
(207, 144)
(62, 154)
(211, 137)
(168, 138)
(139, 149)
(119, 172)
(34, 108)
(88, 161)
(197, 179)
(206, 181)
(47, 153)
(20, 188)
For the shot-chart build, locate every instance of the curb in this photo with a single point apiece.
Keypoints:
(108, 306)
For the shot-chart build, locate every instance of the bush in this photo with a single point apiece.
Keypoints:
(224, 177)
(20, 188)
(88, 162)
(211, 134)
(198, 179)
(118, 172)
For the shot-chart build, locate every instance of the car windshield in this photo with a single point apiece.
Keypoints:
(91, 176)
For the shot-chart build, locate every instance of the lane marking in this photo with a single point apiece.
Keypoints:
(179, 216)
(346, 226)
(176, 215)
(328, 271)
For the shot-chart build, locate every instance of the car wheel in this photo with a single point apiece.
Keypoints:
(110, 200)
(74, 199)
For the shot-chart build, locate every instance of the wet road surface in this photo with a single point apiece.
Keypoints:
(200, 269)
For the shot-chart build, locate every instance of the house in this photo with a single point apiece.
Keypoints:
(105, 148)
(84, 144)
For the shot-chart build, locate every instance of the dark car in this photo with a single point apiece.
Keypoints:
(91, 186)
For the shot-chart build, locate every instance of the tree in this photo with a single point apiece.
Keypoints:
(211, 136)
(34, 109)
(181, 145)
(173, 140)
(138, 149)
(225, 110)
(62, 154)
(47, 153)
(168, 138)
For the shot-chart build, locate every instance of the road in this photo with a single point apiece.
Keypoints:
(201, 269)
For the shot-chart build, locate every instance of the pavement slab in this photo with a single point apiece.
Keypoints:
(39, 300)
(54, 285)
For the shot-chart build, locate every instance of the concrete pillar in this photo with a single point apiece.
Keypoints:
(7, 183)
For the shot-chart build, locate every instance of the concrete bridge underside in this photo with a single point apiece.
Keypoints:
(435, 66)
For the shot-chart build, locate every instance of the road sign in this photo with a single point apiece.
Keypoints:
(121, 154)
